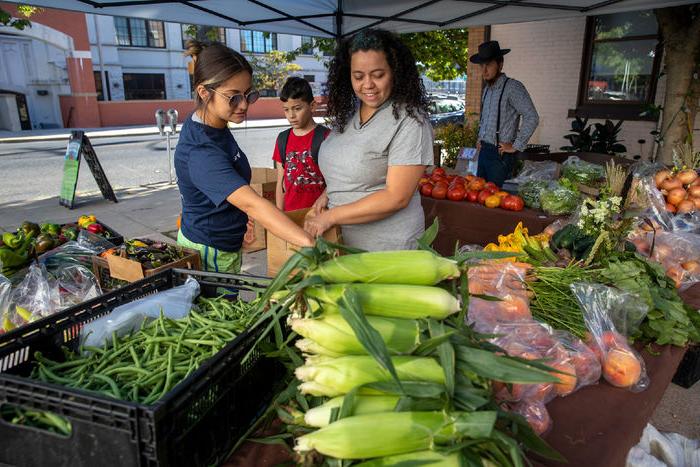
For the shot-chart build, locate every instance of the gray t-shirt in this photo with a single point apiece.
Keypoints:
(355, 163)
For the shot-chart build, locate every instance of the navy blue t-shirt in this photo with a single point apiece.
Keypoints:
(210, 166)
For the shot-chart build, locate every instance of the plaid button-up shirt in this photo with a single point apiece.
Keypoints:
(516, 105)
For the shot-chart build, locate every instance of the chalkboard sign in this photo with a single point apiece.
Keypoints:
(79, 145)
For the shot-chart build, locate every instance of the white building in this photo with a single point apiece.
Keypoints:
(143, 59)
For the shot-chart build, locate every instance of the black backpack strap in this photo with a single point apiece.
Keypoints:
(282, 145)
(319, 135)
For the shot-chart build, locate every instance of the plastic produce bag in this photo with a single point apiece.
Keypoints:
(174, 303)
(677, 252)
(5, 301)
(501, 280)
(581, 357)
(657, 449)
(94, 242)
(531, 191)
(622, 366)
(76, 284)
(35, 297)
(536, 415)
(583, 172)
(557, 200)
(69, 254)
(536, 171)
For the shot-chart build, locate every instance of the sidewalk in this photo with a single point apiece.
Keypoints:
(63, 133)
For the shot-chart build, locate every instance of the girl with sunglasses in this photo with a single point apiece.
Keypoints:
(213, 173)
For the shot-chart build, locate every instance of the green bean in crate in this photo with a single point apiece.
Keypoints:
(143, 366)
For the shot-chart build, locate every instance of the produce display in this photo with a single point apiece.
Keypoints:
(143, 366)
(30, 239)
(439, 185)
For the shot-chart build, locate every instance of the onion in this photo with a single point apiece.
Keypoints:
(671, 184)
(675, 196)
(687, 176)
(697, 203)
(685, 206)
(660, 176)
(696, 182)
(694, 191)
(670, 207)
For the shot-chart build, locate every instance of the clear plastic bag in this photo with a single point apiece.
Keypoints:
(536, 171)
(581, 357)
(558, 200)
(94, 242)
(580, 171)
(76, 284)
(622, 365)
(536, 415)
(174, 303)
(677, 252)
(504, 281)
(35, 297)
(69, 254)
(6, 306)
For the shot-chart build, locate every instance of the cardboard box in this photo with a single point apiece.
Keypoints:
(264, 182)
(279, 251)
(125, 269)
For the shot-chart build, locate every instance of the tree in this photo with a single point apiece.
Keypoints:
(680, 30)
(440, 55)
(272, 69)
(25, 11)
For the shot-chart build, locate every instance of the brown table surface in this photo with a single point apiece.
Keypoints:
(472, 223)
(595, 426)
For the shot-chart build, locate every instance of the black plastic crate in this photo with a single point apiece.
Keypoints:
(195, 424)
(688, 372)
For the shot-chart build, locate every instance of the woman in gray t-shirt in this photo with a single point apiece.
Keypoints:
(380, 145)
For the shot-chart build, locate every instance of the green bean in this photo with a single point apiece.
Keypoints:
(113, 386)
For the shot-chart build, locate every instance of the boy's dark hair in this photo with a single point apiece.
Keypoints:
(296, 88)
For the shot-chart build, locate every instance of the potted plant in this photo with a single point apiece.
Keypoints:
(453, 138)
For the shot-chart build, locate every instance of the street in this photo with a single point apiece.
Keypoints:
(33, 170)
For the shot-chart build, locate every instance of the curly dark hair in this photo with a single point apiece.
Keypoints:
(408, 90)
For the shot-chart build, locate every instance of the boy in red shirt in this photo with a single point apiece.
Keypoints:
(299, 180)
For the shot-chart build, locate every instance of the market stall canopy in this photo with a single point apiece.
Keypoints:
(333, 18)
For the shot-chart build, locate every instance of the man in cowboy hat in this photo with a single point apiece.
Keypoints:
(508, 117)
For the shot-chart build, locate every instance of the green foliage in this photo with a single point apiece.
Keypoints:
(441, 55)
(599, 137)
(271, 70)
(455, 137)
(202, 33)
(26, 11)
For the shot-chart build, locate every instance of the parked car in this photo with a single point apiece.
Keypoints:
(445, 111)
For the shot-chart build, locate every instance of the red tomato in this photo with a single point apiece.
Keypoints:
(472, 196)
(491, 185)
(427, 189)
(513, 203)
(441, 183)
(457, 193)
(439, 171)
(439, 192)
(483, 194)
(476, 184)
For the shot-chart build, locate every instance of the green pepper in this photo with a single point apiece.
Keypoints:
(44, 242)
(71, 233)
(53, 229)
(12, 259)
(10, 240)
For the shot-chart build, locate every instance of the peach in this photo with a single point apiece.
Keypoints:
(567, 382)
(621, 368)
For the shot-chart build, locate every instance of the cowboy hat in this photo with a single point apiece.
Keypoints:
(488, 51)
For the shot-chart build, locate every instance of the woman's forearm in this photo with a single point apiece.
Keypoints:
(376, 206)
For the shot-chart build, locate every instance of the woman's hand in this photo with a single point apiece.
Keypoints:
(320, 205)
(318, 224)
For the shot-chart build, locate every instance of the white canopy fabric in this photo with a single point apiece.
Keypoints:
(339, 18)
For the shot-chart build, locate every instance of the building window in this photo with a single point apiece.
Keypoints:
(202, 34)
(258, 42)
(135, 32)
(622, 56)
(98, 86)
(141, 86)
(307, 45)
(310, 78)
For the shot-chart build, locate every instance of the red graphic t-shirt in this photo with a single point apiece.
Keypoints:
(303, 181)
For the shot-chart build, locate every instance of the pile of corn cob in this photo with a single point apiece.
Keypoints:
(401, 377)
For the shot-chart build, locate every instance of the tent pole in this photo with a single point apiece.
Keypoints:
(339, 22)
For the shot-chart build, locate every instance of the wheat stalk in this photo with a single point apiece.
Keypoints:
(684, 158)
(615, 176)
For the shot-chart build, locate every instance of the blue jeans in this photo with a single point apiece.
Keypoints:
(494, 167)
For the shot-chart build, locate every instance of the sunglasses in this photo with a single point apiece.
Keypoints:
(237, 99)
